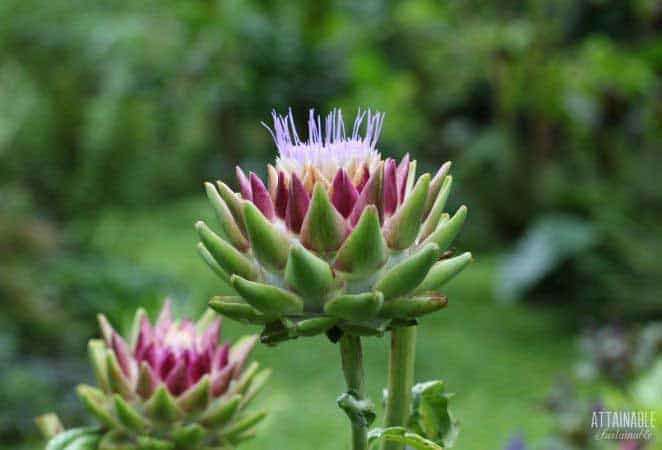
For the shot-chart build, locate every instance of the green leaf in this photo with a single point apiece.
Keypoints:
(355, 306)
(270, 300)
(430, 415)
(405, 276)
(402, 436)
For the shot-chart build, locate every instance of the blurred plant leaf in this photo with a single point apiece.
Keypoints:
(401, 435)
(430, 416)
(551, 240)
(648, 389)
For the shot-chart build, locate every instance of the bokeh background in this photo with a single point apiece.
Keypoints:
(113, 113)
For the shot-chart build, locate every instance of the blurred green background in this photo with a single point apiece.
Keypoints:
(113, 113)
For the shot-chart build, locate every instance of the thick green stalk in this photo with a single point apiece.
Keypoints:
(352, 366)
(400, 380)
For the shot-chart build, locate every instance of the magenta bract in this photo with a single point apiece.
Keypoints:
(177, 353)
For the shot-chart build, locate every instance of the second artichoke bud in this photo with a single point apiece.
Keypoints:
(337, 241)
(171, 386)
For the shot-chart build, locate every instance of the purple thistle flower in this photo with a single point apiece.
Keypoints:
(328, 148)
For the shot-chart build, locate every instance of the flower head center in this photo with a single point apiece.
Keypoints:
(329, 147)
(181, 336)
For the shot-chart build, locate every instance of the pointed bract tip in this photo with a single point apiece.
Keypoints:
(364, 250)
(297, 204)
(244, 184)
(403, 227)
(370, 195)
(405, 276)
(106, 328)
(269, 244)
(343, 193)
(390, 188)
(323, 228)
(443, 271)
(261, 197)
(281, 196)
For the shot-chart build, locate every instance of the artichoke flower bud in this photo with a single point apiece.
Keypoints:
(337, 240)
(172, 385)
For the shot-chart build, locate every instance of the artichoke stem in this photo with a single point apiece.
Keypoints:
(400, 380)
(352, 366)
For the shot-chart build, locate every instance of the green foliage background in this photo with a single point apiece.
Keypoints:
(112, 113)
